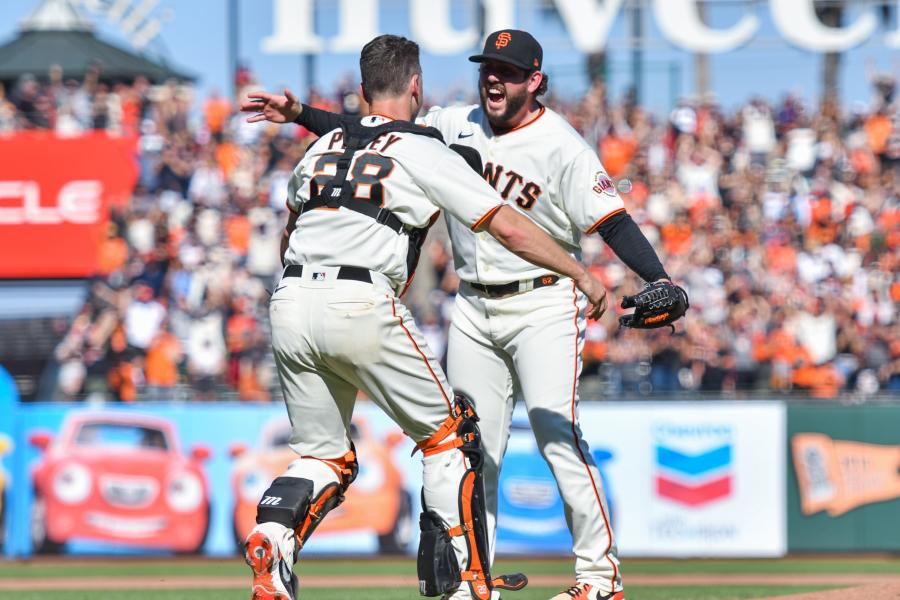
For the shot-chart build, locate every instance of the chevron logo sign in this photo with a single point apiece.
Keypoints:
(693, 479)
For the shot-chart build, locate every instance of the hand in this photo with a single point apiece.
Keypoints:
(271, 107)
(595, 293)
(659, 304)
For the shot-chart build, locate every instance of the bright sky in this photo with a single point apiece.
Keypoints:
(195, 38)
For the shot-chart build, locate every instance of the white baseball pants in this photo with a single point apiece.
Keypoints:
(332, 337)
(531, 343)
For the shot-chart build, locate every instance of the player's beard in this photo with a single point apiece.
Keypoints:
(514, 104)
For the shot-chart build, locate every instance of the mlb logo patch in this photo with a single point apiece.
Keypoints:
(318, 276)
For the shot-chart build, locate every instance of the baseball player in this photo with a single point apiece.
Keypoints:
(518, 328)
(361, 202)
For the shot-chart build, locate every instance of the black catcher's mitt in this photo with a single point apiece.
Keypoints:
(659, 304)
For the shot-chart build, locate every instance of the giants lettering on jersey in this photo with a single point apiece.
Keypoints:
(509, 183)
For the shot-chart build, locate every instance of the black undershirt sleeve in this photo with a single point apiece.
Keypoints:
(320, 121)
(622, 234)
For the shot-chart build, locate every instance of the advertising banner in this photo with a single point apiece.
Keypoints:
(844, 486)
(685, 477)
(55, 195)
(681, 480)
(164, 478)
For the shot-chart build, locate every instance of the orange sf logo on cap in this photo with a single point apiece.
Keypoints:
(503, 40)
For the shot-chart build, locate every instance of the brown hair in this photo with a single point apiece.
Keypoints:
(545, 83)
(386, 65)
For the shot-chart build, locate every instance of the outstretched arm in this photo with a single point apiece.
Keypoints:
(320, 121)
(622, 234)
(276, 108)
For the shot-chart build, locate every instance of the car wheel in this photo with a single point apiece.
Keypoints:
(40, 542)
(397, 540)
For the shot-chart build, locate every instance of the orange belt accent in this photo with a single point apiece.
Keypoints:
(438, 436)
(460, 529)
(338, 465)
(433, 444)
(454, 443)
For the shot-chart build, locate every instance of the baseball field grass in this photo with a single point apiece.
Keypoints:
(381, 579)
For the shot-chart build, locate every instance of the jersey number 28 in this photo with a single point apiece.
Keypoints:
(365, 175)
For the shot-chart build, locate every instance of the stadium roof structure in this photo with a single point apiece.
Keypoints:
(57, 34)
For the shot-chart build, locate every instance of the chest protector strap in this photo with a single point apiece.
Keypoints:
(339, 192)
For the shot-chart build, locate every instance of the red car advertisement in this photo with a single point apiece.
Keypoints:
(55, 195)
(377, 502)
(118, 478)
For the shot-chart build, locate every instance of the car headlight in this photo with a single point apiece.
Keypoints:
(72, 483)
(185, 492)
(252, 486)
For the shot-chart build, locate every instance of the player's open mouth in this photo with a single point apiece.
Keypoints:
(496, 96)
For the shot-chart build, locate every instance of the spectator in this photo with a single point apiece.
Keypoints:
(161, 366)
(783, 222)
(143, 318)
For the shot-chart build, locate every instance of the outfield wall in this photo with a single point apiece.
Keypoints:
(844, 480)
(683, 479)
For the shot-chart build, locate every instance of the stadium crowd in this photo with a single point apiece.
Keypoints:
(781, 220)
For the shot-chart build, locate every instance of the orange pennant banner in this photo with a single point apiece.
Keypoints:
(837, 476)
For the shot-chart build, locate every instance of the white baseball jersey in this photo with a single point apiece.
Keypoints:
(532, 342)
(411, 175)
(545, 170)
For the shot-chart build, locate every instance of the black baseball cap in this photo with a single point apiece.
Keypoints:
(512, 46)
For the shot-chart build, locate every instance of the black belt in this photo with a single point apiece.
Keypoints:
(513, 287)
(354, 273)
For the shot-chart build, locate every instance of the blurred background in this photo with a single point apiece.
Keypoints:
(756, 143)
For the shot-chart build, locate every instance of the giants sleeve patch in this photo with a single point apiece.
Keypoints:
(602, 184)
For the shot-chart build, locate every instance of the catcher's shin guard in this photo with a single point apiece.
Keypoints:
(290, 502)
(438, 568)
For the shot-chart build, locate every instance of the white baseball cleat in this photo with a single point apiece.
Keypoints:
(273, 577)
(586, 591)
